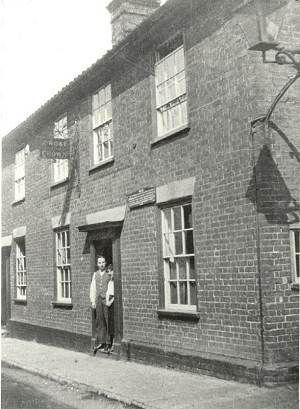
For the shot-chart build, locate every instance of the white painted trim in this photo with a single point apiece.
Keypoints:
(115, 214)
(19, 232)
(175, 190)
(6, 241)
(56, 221)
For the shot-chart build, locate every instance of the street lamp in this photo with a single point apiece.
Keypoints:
(262, 36)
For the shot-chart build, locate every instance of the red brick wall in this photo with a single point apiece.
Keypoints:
(228, 86)
(278, 175)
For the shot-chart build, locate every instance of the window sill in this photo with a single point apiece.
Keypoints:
(101, 164)
(174, 132)
(20, 301)
(63, 305)
(17, 202)
(179, 315)
(60, 182)
(295, 287)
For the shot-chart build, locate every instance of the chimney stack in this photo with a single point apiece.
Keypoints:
(126, 15)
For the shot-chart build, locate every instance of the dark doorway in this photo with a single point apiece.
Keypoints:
(106, 243)
(103, 248)
(5, 285)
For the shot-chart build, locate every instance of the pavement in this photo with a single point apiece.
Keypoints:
(144, 386)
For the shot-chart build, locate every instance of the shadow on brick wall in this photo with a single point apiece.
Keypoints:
(294, 153)
(269, 193)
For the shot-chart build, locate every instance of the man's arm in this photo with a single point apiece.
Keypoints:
(93, 292)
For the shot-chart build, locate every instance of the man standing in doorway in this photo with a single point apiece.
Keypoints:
(98, 291)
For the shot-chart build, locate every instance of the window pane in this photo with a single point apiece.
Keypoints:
(192, 268)
(99, 153)
(106, 150)
(188, 223)
(171, 89)
(167, 217)
(168, 246)
(297, 264)
(183, 293)
(96, 118)
(63, 239)
(67, 291)
(108, 93)
(102, 97)
(102, 114)
(179, 60)
(173, 290)
(297, 244)
(177, 218)
(66, 274)
(182, 268)
(189, 243)
(108, 108)
(95, 102)
(193, 293)
(63, 256)
(105, 133)
(180, 84)
(178, 243)
(173, 274)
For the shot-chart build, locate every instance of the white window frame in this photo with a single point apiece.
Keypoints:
(295, 253)
(21, 274)
(20, 175)
(171, 107)
(63, 266)
(102, 126)
(170, 256)
(61, 166)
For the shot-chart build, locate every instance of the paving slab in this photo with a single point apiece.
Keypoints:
(146, 386)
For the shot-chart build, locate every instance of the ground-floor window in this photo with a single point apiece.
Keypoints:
(295, 253)
(21, 276)
(179, 257)
(63, 266)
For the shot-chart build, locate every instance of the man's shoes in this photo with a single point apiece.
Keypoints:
(109, 349)
(99, 348)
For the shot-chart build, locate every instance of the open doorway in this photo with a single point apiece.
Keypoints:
(103, 248)
(106, 243)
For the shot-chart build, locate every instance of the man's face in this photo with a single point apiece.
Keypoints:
(101, 263)
(111, 273)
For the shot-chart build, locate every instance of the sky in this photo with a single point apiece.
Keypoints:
(44, 44)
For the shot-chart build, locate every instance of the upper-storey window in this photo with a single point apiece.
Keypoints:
(60, 166)
(171, 99)
(102, 126)
(20, 175)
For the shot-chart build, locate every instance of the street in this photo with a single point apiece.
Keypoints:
(21, 390)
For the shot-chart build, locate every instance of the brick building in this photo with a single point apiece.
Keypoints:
(173, 180)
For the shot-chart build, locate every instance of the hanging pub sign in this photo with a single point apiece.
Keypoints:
(142, 197)
(56, 149)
